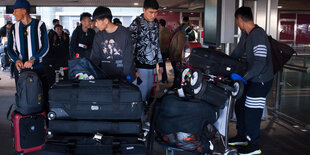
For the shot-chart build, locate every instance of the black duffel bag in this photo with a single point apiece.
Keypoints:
(209, 92)
(182, 123)
(84, 66)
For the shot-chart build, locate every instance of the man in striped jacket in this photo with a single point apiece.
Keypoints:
(259, 77)
(28, 43)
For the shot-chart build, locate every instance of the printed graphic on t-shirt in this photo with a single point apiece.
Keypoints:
(111, 51)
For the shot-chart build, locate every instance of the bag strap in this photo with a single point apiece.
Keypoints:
(115, 94)
(8, 113)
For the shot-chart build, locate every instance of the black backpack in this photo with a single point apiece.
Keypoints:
(29, 96)
(281, 53)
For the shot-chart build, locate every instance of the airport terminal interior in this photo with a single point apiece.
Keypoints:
(285, 127)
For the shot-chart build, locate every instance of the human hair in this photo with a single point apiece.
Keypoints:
(162, 22)
(185, 19)
(117, 21)
(57, 25)
(245, 13)
(55, 21)
(153, 4)
(84, 14)
(102, 12)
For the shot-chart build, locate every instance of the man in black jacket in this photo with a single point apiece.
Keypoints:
(82, 38)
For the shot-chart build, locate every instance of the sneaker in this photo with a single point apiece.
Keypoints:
(250, 149)
(238, 141)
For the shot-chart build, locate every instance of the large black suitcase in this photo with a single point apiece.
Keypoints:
(107, 146)
(88, 126)
(215, 62)
(95, 100)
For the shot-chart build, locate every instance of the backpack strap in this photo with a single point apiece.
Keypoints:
(8, 113)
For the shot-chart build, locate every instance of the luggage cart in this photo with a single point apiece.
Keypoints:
(224, 138)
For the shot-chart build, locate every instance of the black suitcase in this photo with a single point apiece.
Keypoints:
(210, 93)
(82, 146)
(88, 126)
(95, 100)
(28, 132)
(215, 62)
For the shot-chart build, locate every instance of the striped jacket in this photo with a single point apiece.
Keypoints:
(26, 41)
(258, 55)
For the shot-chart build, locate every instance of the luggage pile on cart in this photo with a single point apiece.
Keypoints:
(186, 121)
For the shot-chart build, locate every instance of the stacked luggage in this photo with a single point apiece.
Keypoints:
(185, 121)
(101, 115)
(28, 120)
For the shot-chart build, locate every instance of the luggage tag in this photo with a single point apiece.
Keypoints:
(98, 137)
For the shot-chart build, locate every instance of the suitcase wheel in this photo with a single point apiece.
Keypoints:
(238, 89)
(196, 79)
(51, 115)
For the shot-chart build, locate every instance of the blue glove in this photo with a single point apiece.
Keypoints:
(235, 77)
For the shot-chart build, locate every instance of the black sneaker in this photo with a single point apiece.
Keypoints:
(250, 149)
(238, 141)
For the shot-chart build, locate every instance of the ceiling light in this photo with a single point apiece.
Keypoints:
(170, 11)
(279, 7)
(192, 13)
(164, 8)
(135, 4)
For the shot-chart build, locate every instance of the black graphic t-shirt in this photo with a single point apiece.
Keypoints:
(113, 52)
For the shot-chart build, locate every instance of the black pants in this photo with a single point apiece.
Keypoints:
(164, 76)
(249, 109)
(47, 77)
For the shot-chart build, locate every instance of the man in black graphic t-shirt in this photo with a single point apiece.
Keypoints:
(112, 47)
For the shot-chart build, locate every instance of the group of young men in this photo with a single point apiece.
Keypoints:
(28, 43)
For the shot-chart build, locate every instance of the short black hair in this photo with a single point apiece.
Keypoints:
(102, 12)
(84, 14)
(162, 22)
(58, 25)
(245, 13)
(55, 21)
(185, 19)
(117, 21)
(153, 4)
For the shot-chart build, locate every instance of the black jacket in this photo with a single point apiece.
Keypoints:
(81, 42)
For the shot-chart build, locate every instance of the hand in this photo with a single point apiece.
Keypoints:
(19, 65)
(160, 70)
(236, 77)
(28, 64)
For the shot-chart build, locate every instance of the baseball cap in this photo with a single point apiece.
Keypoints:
(21, 4)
